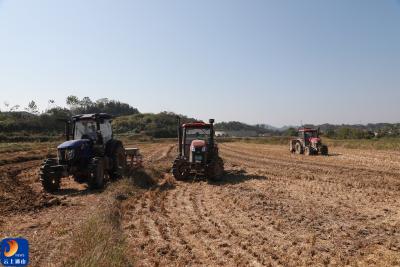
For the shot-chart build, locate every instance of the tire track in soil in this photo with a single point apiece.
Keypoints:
(20, 189)
(167, 151)
(220, 220)
(358, 213)
(305, 164)
(34, 214)
(301, 212)
(171, 243)
(339, 161)
(313, 171)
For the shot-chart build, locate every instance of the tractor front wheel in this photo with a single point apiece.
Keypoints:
(180, 169)
(215, 170)
(307, 151)
(324, 150)
(96, 178)
(50, 181)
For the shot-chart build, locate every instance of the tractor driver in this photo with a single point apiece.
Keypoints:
(85, 130)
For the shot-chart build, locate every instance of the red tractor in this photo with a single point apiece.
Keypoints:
(308, 142)
(198, 151)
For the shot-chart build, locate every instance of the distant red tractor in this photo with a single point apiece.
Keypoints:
(308, 143)
(198, 151)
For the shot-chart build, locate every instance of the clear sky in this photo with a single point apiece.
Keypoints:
(258, 61)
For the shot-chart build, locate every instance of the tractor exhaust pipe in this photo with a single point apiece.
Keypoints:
(179, 135)
(211, 121)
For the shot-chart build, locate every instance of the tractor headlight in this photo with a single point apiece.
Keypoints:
(193, 149)
(204, 149)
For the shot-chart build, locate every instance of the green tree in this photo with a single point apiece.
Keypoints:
(290, 132)
(32, 108)
(72, 101)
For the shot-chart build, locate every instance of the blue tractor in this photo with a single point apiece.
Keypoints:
(90, 156)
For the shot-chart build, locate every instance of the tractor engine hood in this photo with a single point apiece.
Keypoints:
(198, 150)
(198, 144)
(315, 139)
(73, 144)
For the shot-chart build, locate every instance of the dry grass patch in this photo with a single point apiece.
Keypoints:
(100, 240)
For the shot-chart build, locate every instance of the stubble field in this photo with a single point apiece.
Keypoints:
(270, 209)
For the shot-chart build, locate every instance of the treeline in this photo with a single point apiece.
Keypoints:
(103, 105)
(16, 125)
(240, 126)
(359, 131)
(161, 125)
(349, 133)
(31, 124)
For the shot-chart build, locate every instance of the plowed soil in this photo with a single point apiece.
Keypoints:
(271, 208)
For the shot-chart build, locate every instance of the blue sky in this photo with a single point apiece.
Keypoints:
(261, 61)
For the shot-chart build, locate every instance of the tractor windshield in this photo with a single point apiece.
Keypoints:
(85, 129)
(197, 134)
(310, 134)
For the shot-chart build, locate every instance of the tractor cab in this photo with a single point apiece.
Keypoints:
(309, 135)
(308, 142)
(94, 127)
(90, 133)
(198, 151)
(197, 138)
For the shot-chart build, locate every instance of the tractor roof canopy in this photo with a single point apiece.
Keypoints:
(199, 124)
(93, 116)
(307, 130)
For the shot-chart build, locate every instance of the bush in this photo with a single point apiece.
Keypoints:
(161, 125)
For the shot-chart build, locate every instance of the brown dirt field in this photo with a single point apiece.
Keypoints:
(270, 209)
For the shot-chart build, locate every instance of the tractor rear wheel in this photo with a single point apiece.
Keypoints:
(96, 177)
(299, 148)
(180, 169)
(118, 158)
(215, 169)
(50, 181)
(324, 150)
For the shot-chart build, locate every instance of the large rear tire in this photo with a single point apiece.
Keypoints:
(299, 148)
(180, 169)
(96, 177)
(50, 180)
(118, 158)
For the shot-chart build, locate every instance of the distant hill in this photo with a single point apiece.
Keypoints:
(240, 126)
